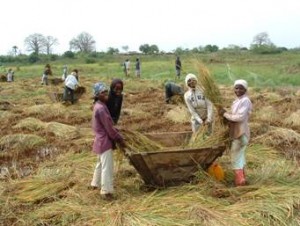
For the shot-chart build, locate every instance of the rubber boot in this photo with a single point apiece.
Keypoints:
(239, 179)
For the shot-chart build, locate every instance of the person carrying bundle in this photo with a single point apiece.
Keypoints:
(105, 136)
(199, 106)
(239, 129)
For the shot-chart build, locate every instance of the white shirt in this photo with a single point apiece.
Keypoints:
(240, 111)
(199, 106)
(71, 82)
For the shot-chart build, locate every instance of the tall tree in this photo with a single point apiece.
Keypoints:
(15, 50)
(50, 42)
(35, 43)
(84, 42)
(262, 39)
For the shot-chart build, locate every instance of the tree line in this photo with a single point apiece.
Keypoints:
(84, 43)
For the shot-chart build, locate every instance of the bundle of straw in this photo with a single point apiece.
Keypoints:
(202, 138)
(137, 142)
(208, 84)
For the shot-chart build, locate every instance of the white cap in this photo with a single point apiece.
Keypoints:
(190, 76)
(242, 83)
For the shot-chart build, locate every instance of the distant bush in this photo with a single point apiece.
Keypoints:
(90, 61)
(69, 54)
(33, 58)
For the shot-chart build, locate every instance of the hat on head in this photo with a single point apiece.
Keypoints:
(99, 87)
(190, 76)
(241, 82)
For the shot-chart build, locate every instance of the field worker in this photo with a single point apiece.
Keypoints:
(46, 73)
(105, 135)
(127, 67)
(200, 107)
(239, 129)
(172, 89)
(65, 72)
(115, 99)
(178, 66)
(137, 68)
(10, 75)
(71, 84)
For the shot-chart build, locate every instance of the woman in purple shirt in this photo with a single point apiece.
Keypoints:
(105, 136)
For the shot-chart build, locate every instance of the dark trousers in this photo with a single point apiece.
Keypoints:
(168, 92)
(69, 94)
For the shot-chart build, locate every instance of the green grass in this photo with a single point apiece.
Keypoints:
(259, 70)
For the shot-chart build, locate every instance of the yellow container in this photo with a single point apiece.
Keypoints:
(216, 171)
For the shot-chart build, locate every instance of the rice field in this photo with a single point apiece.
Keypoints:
(46, 163)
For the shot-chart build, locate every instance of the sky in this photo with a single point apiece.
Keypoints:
(166, 23)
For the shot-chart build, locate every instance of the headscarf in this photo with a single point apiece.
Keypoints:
(99, 87)
(188, 77)
(242, 83)
(114, 103)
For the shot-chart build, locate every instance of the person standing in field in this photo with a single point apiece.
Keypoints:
(178, 67)
(127, 67)
(10, 75)
(71, 84)
(239, 129)
(115, 99)
(65, 72)
(172, 89)
(105, 136)
(199, 106)
(137, 68)
(46, 73)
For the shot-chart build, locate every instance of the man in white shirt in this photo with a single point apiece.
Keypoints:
(70, 85)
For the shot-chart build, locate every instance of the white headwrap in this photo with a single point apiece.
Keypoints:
(188, 77)
(242, 83)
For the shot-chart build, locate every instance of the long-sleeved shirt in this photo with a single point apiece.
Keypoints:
(240, 111)
(105, 133)
(200, 107)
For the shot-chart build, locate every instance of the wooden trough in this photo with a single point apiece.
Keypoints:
(171, 167)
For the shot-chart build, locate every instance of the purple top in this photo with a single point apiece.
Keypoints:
(102, 125)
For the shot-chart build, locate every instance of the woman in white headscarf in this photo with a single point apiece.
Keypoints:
(239, 129)
(200, 107)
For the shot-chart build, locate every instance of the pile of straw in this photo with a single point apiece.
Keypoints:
(179, 114)
(21, 142)
(62, 130)
(293, 120)
(31, 124)
(41, 188)
(285, 140)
